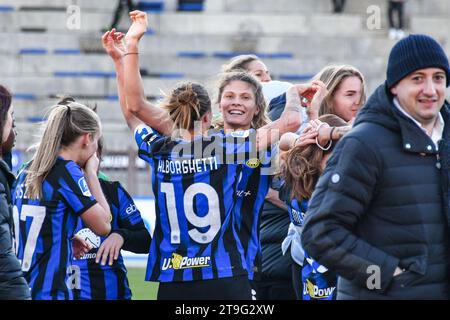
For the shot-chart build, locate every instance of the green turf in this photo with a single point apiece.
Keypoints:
(141, 289)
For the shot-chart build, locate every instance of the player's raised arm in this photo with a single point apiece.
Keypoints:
(112, 42)
(137, 103)
(290, 119)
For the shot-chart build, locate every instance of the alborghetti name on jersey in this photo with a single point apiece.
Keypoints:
(187, 165)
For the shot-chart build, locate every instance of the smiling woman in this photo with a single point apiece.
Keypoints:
(241, 102)
(346, 94)
(238, 107)
(192, 251)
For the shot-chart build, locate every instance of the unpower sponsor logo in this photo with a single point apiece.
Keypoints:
(178, 262)
(253, 163)
(315, 292)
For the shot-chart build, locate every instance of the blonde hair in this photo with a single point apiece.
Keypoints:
(66, 122)
(260, 119)
(332, 77)
(187, 103)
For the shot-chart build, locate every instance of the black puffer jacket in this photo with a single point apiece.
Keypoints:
(274, 223)
(383, 201)
(12, 282)
(274, 227)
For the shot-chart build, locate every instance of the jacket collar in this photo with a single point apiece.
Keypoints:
(380, 109)
(415, 139)
(7, 172)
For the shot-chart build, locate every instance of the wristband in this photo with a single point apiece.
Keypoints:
(331, 133)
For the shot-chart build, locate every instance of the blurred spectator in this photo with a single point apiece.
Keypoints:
(251, 64)
(396, 26)
(12, 283)
(338, 6)
(118, 13)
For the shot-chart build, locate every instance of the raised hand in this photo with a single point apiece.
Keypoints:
(306, 138)
(138, 26)
(313, 105)
(306, 90)
(322, 129)
(113, 44)
(92, 164)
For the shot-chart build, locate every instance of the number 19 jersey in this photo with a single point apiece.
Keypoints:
(194, 183)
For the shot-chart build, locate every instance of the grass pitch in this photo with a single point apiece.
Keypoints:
(141, 289)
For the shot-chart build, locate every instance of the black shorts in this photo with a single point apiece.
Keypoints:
(297, 282)
(233, 288)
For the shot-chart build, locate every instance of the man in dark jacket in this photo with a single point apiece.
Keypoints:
(379, 216)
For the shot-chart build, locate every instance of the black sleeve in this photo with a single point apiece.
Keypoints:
(136, 239)
(340, 200)
(6, 222)
(131, 226)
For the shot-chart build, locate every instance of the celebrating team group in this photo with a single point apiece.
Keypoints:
(365, 183)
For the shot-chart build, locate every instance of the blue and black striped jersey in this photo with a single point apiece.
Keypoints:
(44, 228)
(252, 189)
(319, 283)
(297, 211)
(99, 282)
(195, 191)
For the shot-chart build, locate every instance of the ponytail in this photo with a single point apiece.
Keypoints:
(64, 125)
(187, 104)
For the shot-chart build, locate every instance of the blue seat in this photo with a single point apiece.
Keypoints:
(67, 51)
(112, 97)
(295, 77)
(262, 55)
(33, 51)
(78, 74)
(190, 6)
(24, 96)
(170, 75)
(192, 54)
(36, 119)
(228, 54)
(276, 55)
(151, 6)
(4, 8)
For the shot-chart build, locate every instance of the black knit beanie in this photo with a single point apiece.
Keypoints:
(417, 51)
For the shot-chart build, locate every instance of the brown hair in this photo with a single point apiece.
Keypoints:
(5, 104)
(239, 63)
(301, 166)
(259, 120)
(332, 77)
(187, 103)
